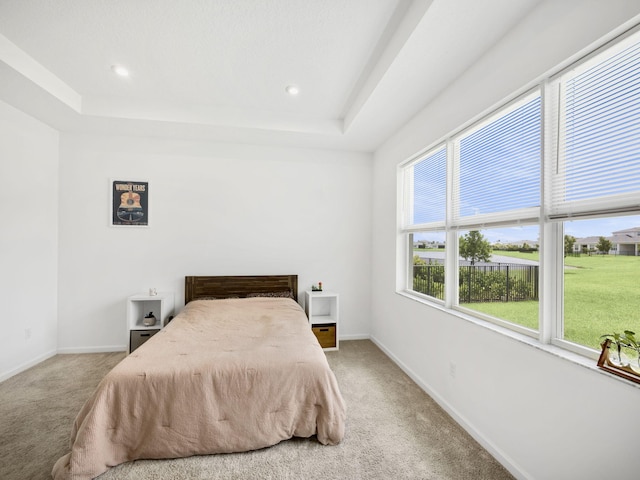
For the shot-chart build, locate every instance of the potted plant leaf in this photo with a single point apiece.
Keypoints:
(617, 340)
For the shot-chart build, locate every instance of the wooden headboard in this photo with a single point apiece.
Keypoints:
(238, 286)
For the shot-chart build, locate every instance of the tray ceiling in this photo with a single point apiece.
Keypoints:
(218, 69)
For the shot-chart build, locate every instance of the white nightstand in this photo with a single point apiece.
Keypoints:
(322, 310)
(138, 306)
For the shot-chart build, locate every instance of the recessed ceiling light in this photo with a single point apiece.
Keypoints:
(120, 70)
(292, 90)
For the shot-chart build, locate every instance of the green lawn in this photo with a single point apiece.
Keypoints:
(527, 256)
(602, 295)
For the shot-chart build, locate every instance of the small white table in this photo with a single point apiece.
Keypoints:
(138, 306)
(322, 310)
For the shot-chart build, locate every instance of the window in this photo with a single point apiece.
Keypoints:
(425, 186)
(596, 178)
(536, 207)
(500, 154)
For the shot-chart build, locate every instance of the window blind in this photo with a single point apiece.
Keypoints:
(498, 173)
(427, 180)
(598, 164)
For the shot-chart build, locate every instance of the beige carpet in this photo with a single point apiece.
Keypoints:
(394, 430)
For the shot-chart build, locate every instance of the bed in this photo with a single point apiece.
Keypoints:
(237, 370)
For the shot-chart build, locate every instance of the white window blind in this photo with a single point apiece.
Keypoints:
(426, 187)
(597, 169)
(498, 171)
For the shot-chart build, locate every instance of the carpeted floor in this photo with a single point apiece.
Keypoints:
(394, 430)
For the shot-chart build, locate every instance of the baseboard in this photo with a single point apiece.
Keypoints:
(356, 336)
(25, 366)
(101, 349)
(497, 453)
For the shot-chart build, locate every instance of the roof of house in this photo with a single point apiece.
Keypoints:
(634, 230)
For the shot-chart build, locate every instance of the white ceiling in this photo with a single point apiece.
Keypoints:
(217, 69)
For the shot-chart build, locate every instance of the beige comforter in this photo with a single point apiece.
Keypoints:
(224, 376)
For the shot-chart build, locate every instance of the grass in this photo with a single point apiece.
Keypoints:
(521, 313)
(526, 256)
(601, 295)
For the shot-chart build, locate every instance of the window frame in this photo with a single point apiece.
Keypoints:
(550, 227)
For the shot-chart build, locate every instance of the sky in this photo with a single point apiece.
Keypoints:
(601, 226)
(497, 166)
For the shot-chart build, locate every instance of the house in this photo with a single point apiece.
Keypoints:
(316, 175)
(623, 242)
(586, 244)
(627, 242)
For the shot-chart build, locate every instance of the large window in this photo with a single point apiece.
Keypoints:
(532, 214)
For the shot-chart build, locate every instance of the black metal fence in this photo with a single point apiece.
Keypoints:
(499, 282)
(429, 279)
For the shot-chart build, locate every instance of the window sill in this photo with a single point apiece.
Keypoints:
(555, 350)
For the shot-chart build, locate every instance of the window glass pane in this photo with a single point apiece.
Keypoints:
(430, 188)
(602, 129)
(598, 164)
(428, 263)
(499, 273)
(601, 278)
(500, 163)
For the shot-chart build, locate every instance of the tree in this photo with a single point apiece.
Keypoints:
(474, 247)
(419, 261)
(569, 241)
(603, 245)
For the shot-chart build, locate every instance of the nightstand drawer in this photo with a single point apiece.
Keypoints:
(326, 334)
(138, 337)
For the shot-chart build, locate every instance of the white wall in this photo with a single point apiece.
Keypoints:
(215, 210)
(28, 241)
(542, 415)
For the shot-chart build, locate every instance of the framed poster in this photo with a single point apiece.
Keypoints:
(129, 203)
